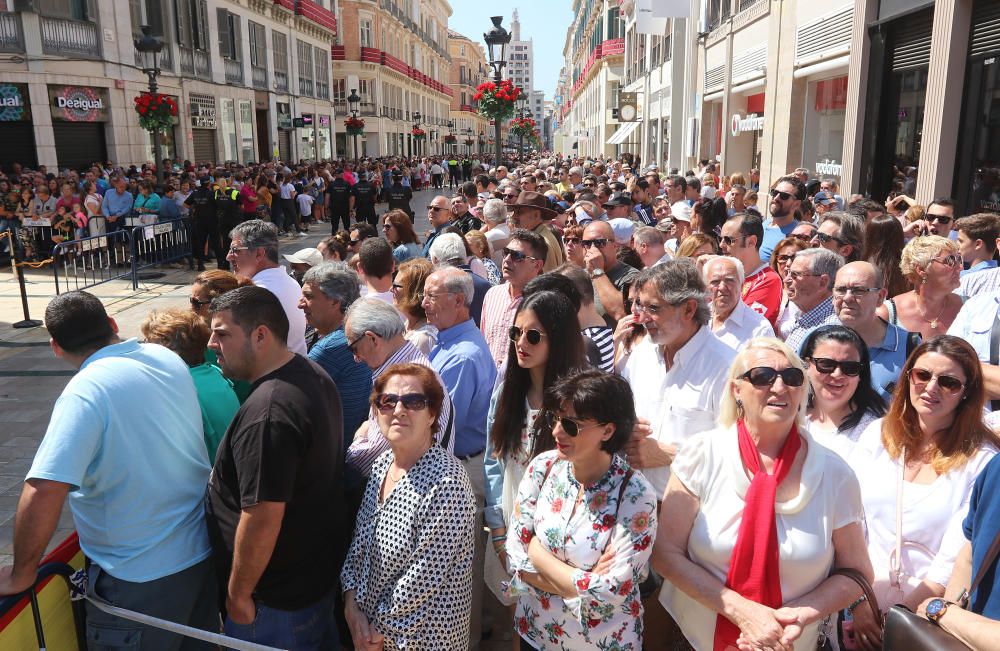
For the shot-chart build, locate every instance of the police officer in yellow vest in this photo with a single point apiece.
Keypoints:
(227, 207)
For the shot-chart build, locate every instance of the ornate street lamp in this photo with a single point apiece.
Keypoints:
(482, 141)
(149, 48)
(416, 125)
(353, 102)
(496, 41)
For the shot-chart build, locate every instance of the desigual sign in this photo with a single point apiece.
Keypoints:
(13, 103)
(752, 122)
(78, 103)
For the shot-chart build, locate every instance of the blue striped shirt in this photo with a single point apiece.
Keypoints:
(353, 380)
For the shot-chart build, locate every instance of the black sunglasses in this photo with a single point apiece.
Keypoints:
(941, 219)
(411, 401)
(826, 366)
(533, 336)
(599, 243)
(571, 240)
(948, 383)
(570, 426)
(516, 256)
(823, 238)
(784, 196)
(729, 241)
(765, 376)
(195, 303)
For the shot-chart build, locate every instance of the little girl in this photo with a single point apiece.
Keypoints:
(80, 221)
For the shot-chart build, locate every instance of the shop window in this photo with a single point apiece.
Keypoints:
(823, 140)
(977, 178)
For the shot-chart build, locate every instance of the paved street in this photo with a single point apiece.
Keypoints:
(31, 378)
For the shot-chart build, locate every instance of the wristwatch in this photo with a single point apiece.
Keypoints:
(597, 273)
(936, 608)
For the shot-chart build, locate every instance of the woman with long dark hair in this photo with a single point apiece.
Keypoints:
(545, 346)
(842, 401)
(884, 244)
(398, 230)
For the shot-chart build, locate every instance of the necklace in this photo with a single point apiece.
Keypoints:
(397, 478)
(935, 322)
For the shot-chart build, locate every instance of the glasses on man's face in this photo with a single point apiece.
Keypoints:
(802, 237)
(386, 402)
(841, 291)
(509, 196)
(352, 344)
(778, 194)
(938, 219)
(799, 275)
(599, 243)
(515, 256)
(233, 250)
(921, 377)
(953, 260)
(588, 185)
(729, 241)
(432, 296)
(765, 376)
(827, 366)
(436, 208)
(823, 238)
(652, 309)
(570, 426)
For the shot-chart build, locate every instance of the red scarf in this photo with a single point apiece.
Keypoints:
(754, 567)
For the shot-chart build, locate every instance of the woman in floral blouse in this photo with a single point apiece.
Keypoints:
(583, 525)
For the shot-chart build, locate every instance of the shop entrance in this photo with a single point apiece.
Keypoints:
(79, 144)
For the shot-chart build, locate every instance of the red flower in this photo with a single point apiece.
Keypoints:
(525, 535)
(545, 603)
(522, 625)
(557, 505)
(635, 608)
(625, 588)
(583, 583)
(593, 623)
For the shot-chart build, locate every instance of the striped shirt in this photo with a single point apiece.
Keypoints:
(603, 338)
(499, 309)
(820, 315)
(364, 451)
(986, 281)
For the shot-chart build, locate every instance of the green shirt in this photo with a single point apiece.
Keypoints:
(218, 404)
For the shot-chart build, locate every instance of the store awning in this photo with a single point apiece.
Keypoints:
(618, 137)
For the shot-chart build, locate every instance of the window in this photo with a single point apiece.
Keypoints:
(322, 58)
(71, 9)
(191, 18)
(229, 34)
(461, 50)
(339, 90)
(258, 45)
(146, 12)
(365, 25)
(305, 67)
(280, 44)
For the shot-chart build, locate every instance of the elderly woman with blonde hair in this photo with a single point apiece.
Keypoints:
(933, 265)
(761, 516)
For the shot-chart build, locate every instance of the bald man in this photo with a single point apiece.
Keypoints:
(612, 278)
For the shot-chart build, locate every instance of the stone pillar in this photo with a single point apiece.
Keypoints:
(942, 105)
(865, 11)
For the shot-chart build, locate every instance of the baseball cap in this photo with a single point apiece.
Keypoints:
(618, 199)
(824, 197)
(308, 255)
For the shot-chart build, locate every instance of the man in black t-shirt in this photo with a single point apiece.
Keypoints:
(399, 196)
(206, 225)
(275, 496)
(341, 202)
(364, 202)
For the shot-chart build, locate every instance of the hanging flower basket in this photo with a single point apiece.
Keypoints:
(156, 112)
(418, 133)
(354, 126)
(469, 142)
(522, 127)
(450, 139)
(496, 101)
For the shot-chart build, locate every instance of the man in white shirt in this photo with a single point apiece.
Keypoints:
(677, 371)
(733, 321)
(254, 255)
(675, 188)
(375, 266)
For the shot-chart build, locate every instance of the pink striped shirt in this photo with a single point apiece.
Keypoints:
(499, 308)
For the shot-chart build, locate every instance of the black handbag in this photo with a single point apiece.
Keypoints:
(907, 631)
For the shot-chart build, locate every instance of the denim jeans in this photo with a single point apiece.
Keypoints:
(308, 629)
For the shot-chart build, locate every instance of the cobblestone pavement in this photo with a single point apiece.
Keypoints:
(31, 378)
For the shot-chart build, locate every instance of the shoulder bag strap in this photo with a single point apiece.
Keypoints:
(995, 353)
(621, 491)
(866, 588)
(895, 560)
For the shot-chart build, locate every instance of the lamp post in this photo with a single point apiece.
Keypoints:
(482, 141)
(149, 48)
(468, 140)
(497, 40)
(522, 113)
(353, 101)
(416, 125)
(451, 132)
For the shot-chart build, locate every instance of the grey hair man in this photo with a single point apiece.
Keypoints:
(841, 233)
(449, 250)
(377, 331)
(732, 320)
(650, 245)
(677, 371)
(253, 254)
(809, 285)
(328, 290)
(497, 230)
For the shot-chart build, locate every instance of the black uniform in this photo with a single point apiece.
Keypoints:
(399, 198)
(466, 169)
(340, 192)
(364, 202)
(227, 206)
(468, 222)
(206, 226)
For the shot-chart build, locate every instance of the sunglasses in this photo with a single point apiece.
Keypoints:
(952, 260)
(434, 208)
(823, 238)
(570, 426)
(920, 377)
(778, 194)
(765, 376)
(571, 240)
(802, 237)
(352, 344)
(588, 185)
(940, 219)
(729, 241)
(599, 243)
(387, 402)
(534, 336)
(787, 258)
(516, 256)
(196, 304)
(827, 366)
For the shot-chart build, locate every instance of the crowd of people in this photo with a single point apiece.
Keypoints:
(643, 409)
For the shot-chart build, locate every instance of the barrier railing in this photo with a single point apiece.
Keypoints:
(158, 244)
(91, 261)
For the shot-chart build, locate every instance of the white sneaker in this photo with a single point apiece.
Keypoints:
(302, 234)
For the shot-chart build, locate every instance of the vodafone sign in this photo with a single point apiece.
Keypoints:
(752, 122)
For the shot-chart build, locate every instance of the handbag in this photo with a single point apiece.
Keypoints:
(824, 643)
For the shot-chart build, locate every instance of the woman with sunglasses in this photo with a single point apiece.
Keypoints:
(398, 229)
(572, 238)
(842, 402)
(917, 467)
(933, 266)
(760, 514)
(536, 359)
(407, 579)
(583, 525)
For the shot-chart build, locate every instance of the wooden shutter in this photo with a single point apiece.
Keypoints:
(200, 25)
(182, 21)
(154, 17)
(236, 37)
(135, 14)
(225, 46)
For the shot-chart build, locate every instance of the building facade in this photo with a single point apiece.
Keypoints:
(468, 69)
(394, 53)
(251, 79)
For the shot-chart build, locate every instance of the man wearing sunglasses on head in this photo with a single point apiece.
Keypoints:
(857, 292)
(523, 258)
(786, 198)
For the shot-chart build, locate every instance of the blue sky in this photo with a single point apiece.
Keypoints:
(547, 27)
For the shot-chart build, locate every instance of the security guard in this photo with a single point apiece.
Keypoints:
(227, 206)
(399, 196)
(364, 201)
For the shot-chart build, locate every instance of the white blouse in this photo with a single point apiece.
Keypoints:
(932, 513)
(829, 498)
(840, 442)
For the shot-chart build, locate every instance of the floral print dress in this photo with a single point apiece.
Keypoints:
(606, 614)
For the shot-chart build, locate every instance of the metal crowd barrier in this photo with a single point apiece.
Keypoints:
(65, 571)
(158, 244)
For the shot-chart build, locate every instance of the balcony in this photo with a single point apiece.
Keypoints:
(281, 81)
(305, 87)
(70, 38)
(195, 63)
(11, 33)
(258, 75)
